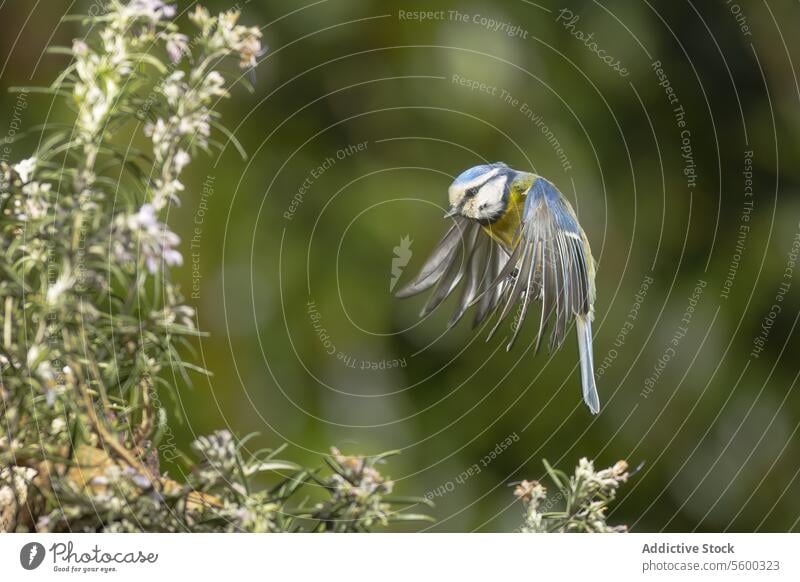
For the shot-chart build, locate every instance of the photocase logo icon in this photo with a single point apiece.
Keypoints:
(31, 555)
(402, 254)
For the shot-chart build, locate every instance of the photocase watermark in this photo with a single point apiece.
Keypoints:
(97, 8)
(14, 126)
(67, 559)
(491, 24)
(402, 255)
(672, 347)
(744, 226)
(317, 172)
(346, 359)
(777, 306)
(569, 20)
(679, 113)
(627, 326)
(31, 555)
(197, 233)
(524, 108)
(546, 506)
(59, 279)
(740, 18)
(475, 469)
(167, 447)
(81, 282)
(536, 282)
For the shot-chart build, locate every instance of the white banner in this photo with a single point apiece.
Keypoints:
(401, 557)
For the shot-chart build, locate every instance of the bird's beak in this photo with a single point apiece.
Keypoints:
(452, 212)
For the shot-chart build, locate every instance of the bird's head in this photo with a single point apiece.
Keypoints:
(481, 193)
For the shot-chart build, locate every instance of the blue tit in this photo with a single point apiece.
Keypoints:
(514, 239)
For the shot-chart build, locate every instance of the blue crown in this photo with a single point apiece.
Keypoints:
(469, 175)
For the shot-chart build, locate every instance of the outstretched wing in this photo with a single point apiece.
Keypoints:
(553, 265)
(464, 255)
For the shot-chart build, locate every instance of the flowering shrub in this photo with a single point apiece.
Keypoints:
(582, 499)
(357, 495)
(90, 320)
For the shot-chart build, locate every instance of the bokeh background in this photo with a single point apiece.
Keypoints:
(681, 161)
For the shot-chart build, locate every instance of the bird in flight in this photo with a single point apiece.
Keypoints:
(514, 239)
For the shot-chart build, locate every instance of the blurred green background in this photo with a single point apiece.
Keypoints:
(362, 115)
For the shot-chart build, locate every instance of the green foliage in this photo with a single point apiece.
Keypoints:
(93, 326)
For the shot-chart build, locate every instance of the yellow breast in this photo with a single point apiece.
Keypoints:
(506, 229)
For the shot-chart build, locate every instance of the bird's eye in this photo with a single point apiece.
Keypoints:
(471, 192)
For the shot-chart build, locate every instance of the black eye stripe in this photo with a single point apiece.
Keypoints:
(472, 192)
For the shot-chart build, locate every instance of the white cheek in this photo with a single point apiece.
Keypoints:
(490, 198)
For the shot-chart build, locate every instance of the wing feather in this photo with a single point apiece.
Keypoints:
(489, 298)
(463, 255)
(437, 263)
(474, 276)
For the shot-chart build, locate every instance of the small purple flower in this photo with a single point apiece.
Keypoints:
(177, 47)
(156, 243)
(153, 9)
